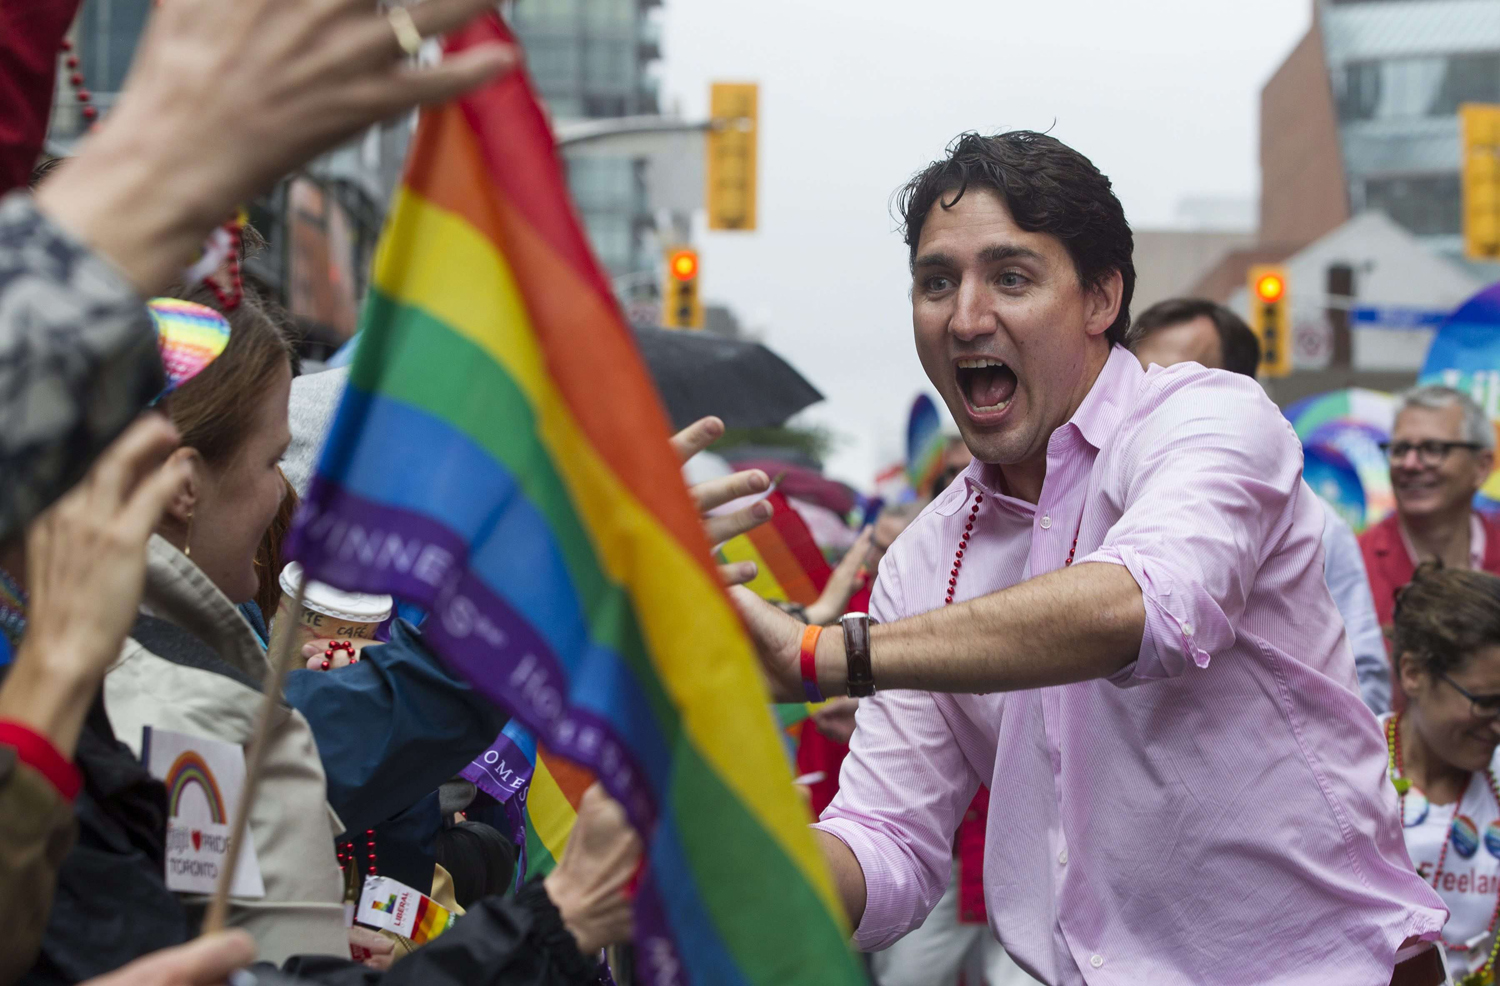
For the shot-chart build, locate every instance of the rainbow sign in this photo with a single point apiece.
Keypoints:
(188, 769)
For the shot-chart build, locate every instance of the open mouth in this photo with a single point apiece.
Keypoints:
(987, 384)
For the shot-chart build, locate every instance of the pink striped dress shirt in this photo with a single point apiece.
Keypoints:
(1216, 812)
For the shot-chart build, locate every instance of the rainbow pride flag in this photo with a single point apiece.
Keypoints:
(500, 458)
(789, 566)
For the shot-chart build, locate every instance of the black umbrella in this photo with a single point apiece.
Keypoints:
(742, 382)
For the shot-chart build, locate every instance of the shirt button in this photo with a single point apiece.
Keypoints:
(1062, 857)
(1096, 961)
(1046, 523)
(1187, 628)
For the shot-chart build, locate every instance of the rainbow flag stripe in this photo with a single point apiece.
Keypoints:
(789, 566)
(500, 457)
(432, 920)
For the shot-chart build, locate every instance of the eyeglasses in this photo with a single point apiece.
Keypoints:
(1430, 453)
(1483, 706)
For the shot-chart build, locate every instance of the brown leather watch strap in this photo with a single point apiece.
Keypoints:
(861, 678)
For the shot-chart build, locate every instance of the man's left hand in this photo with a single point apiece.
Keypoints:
(778, 641)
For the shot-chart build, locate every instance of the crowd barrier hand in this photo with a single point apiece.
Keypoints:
(207, 961)
(716, 492)
(223, 99)
(589, 885)
(85, 572)
(844, 582)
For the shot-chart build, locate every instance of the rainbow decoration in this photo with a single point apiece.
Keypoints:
(789, 566)
(1465, 354)
(501, 459)
(1341, 432)
(190, 768)
(189, 336)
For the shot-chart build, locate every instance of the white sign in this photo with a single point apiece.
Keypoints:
(203, 779)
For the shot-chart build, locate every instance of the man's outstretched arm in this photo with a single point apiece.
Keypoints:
(1070, 625)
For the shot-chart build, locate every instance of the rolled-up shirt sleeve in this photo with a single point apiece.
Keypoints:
(1207, 496)
(902, 790)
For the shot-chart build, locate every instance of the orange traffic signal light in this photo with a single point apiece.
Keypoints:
(1270, 287)
(1271, 318)
(683, 264)
(681, 308)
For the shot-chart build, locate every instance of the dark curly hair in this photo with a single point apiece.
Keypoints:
(1048, 188)
(1444, 615)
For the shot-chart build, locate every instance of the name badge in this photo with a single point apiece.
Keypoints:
(203, 778)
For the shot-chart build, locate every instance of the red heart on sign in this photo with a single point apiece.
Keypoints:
(197, 840)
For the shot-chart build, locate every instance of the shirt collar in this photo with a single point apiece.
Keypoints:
(1103, 407)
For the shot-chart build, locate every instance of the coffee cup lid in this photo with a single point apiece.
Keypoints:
(356, 607)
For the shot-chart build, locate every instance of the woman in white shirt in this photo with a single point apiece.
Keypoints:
(1442, 753)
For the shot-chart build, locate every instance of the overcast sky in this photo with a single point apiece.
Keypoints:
(858, 94)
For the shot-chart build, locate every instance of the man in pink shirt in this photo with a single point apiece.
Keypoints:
(1116, 618)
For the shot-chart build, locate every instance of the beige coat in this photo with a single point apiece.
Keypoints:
(291, 822)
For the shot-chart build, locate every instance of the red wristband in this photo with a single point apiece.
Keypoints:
(810, 663)
(36, 750)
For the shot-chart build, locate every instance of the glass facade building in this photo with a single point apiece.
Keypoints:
(1399, 70)
(591, 59)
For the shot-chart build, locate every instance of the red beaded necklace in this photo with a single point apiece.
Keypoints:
(958, 558)
(1403, 785)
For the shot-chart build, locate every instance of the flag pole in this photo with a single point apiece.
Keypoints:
(218, 906)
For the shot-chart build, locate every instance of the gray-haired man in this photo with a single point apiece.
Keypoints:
(1441, 451)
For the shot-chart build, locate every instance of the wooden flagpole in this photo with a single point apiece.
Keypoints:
(218, 906)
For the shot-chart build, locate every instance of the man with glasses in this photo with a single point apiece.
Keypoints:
(1441, 451)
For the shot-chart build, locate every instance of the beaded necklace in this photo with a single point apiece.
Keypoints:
(12, 608)
(958, 558)
(1402, 783)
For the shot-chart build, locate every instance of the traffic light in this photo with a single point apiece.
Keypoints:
(1479, 128)
(732, 136)
(681, 308)
(1271, 318)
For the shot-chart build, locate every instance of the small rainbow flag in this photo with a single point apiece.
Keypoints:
(789, 566)
(501, 459)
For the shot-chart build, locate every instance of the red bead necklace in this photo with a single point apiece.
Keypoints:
(75, 79)
(958, 558)
(1403, 785)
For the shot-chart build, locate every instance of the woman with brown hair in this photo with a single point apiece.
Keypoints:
(1442, 753)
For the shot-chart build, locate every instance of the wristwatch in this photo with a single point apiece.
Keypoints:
(861, 678)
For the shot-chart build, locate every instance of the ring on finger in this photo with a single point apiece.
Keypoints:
(407, 35)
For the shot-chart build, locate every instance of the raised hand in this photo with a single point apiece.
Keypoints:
(844, 582)
(588, 885)
(716, 492)
(85, 571)
(224, 98)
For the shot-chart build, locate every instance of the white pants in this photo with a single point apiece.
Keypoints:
(933, 954)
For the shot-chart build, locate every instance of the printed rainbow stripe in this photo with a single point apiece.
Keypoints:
(789, 566)
(500, 458)
(190, 768)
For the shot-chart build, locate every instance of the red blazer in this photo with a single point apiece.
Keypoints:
(1390, 568)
